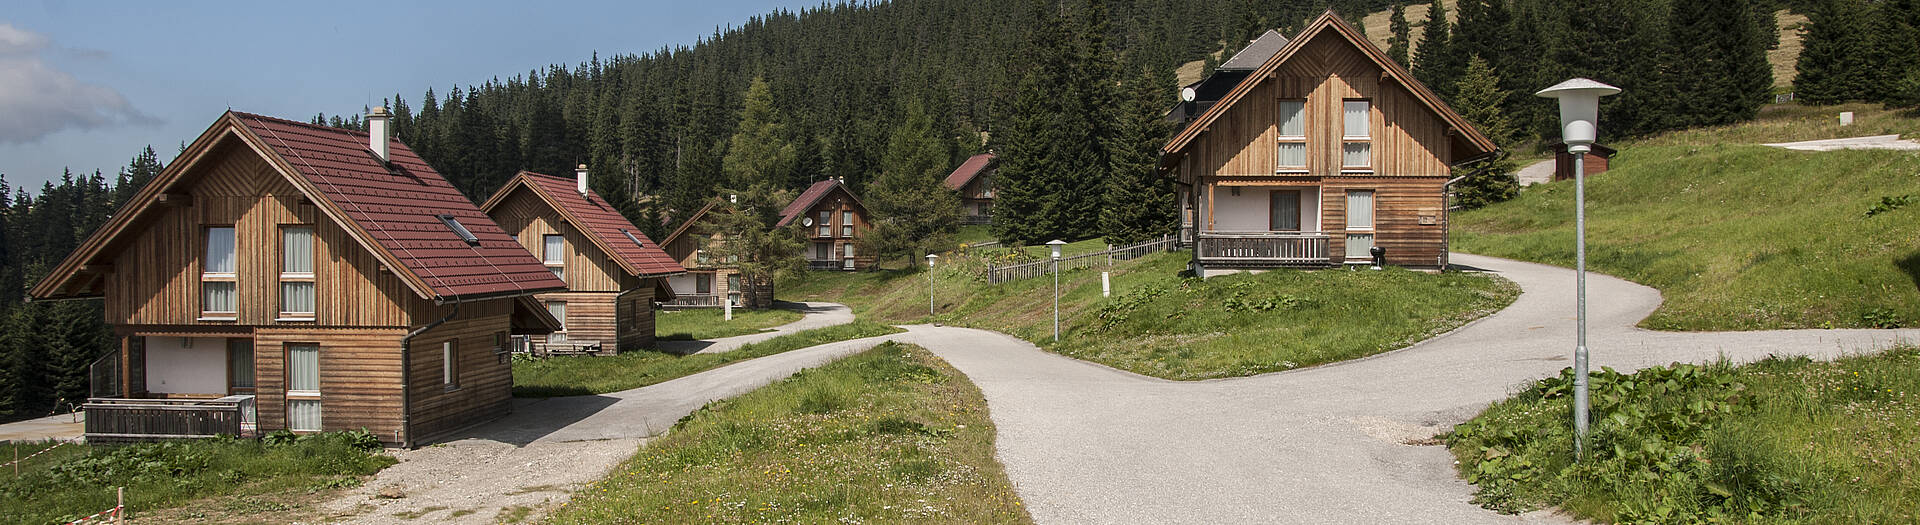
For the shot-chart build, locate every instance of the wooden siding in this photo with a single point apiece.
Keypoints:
(633, 314)
(156, 273)
(835, 205)
(1398, 205)
(485, 389)
(359, 377)
(589, 269)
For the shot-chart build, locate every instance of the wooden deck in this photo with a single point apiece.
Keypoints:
(118, 420)
(1261, 249)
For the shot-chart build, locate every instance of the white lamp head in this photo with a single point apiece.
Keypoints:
(1579, 110)
(1056, 244)
(930, 259)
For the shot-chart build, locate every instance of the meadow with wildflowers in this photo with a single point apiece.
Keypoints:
(1782, 440)
(890, 435)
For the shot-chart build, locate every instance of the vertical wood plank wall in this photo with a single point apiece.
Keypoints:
(1410, 149)
(486, 378)
(834, 204)
(594, 279)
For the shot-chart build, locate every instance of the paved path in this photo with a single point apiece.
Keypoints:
(818, 315)
(1536, 173)
(1892, 142)
(1084, 443)
(62, 427)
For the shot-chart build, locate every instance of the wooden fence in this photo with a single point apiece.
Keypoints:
(132, 420)
(1001, 274)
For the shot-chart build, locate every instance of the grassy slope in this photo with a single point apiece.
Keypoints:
(891, 435)
(1782, 440)
(246, 476)
(710, 323)
(1285, 319)
(1737, 237)
(585, 375)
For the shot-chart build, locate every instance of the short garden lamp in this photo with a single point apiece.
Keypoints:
(1579, 127)
(1055, 245)
(930, 259)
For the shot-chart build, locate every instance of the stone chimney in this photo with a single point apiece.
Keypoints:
(580, 179)
(379, 132)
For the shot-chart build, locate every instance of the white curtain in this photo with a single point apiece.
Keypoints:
(216, 296)
(219, 250)
(559, 311)
(296, 297)
(303, 368)
(303, 413)
(1356, 119)
(554, 249)
(1291, 155)
(1357, 155)
(846, 224)
(1359, 245)
(1359, 209)
(1291, 122)
(1285, 211)
(299, 249)
(240, 363)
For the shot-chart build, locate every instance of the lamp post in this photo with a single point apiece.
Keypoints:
(1579, 127)
(1056, 244)
(930, 259)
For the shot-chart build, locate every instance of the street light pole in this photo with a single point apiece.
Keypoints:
(1579, 124)
(930, 259)
(1056, 244)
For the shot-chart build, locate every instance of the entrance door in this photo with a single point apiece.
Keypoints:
(1283, 211)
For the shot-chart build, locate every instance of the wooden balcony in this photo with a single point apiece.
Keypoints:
(1261, 249)
(118, 420)
(694, 300)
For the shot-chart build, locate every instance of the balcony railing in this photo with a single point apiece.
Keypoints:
(971, 220)
(1261, 248)
(118, 420)
(692, 300)
(823, 264)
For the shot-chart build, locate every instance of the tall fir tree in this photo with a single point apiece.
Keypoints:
(1480, 101)
(1433, 58)
(913, 214)
(1029, 186)
(1833, 64)
(1402, 35)
(1720, 71)
(1139, 202)
(758, 152)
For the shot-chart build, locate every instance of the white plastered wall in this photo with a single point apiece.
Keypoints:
(1248, 211)
(179, 365)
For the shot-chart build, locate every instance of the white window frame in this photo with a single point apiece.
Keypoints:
(450, 364)
(1363, 139)
(304, 395)
(555, 262)
(290, 276)
(1290, 139)
(1367, 232)
(825, 228)
(227, 277)
(559, 311)
(846, 223)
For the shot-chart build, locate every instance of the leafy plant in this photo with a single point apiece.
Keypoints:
(1888, 204)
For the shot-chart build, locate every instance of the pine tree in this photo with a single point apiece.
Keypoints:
(758, 152)
(1140, 203)
(1480, 100)
(1832, 66)
(913, 214)
(1402, 35)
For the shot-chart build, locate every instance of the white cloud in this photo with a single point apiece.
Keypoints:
(37, 100)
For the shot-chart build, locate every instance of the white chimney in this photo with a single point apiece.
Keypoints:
(580, 178)
(378, 132)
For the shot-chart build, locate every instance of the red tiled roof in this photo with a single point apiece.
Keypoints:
(398, 210)
(599, 220)
(691, 220)
(807, 199)
(968, 170)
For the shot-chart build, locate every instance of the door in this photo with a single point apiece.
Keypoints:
(1283, 211)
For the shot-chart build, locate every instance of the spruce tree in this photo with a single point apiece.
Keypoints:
(1029, 185)
(758, 152)
(1140, 203)
(1479, 100)
(1432, 59)
(1832, 66)
(1720, 72)
(913, 213)
(1402, 35)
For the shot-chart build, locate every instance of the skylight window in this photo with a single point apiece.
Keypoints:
(630, 237)
(459, 229)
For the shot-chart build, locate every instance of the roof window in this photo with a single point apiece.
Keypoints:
(459, 229)
(630, 237)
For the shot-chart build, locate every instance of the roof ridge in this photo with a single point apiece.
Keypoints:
(308, 125)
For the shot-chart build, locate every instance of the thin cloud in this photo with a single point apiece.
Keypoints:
(37, 100)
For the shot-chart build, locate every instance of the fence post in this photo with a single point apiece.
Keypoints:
(120, 505)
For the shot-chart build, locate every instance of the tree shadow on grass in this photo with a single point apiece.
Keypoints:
(1911, 265)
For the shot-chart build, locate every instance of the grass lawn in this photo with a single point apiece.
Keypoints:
(587, 375)
(1791, 123)
(891, 435)
(1160, 324)
(1736, 237)
(976, 233)
(711, 323)
(1784, 440)
(246, 476)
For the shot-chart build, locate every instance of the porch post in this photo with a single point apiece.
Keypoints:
(1210, 185)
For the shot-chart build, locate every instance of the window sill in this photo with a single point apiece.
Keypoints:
(1291, 171)
(1357, 171)
(228, 318)
(293, 319)
(449, 388)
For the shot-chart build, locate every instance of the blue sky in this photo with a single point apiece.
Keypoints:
(86, 84)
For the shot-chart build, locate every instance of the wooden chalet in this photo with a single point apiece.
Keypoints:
(614, 273)
(973, 180)
(830, 218)
(282, 275)
(709, 280)
(1325, 151)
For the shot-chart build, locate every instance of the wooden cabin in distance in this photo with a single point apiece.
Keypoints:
(282, 275)
(973, 180)
(709, 280)
(831, 219)
(614, 273)
(1326, 151)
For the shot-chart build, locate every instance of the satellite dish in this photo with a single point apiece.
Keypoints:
(1187, 94)
(807, 222)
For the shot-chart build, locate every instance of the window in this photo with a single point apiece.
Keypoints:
(1290, 154)
(847, 263)
(631, 237)
(733, 290)
(1359, 224)
(239, 366)
(1284, 211)
(822, 251)
(825, 227)
(303, 387)
(702, 283)
(217, 276)
(846, 224)
(459, 230)
(553, 250)
(558, 309)
(1356, 152)
(450, 364)
(296, 272)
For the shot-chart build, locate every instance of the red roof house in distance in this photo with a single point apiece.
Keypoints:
(830, 217)
(282, 275)
(613, 272)
(974, 181)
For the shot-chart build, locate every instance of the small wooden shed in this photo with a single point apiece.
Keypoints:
(1597, 161)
